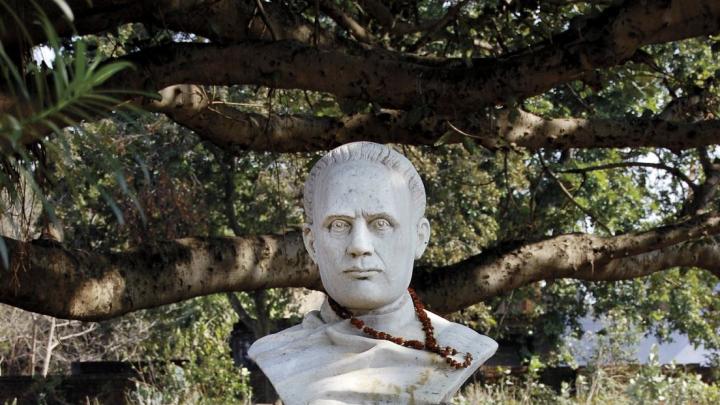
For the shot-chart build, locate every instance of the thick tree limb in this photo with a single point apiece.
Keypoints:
(389, 79)
(447, 87)
(48, 279)
(235, 130)
(219, 20)
(577, 256)
(392, 81)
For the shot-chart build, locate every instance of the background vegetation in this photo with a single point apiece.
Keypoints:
(111, 177)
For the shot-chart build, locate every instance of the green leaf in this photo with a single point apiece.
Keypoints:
(415, 115)
(65, 9)
(513, 115)
(444, 138)
(469, 145)
(4, 253)
(107, 71)
(113, 206)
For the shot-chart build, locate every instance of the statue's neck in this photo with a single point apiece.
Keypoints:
(395, 306)
(397, 318)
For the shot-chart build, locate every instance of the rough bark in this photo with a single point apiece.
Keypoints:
(393, 81)
(45, 278)
(418, 100)
(235, 130)
(449, 88)
(48, 279)
(219, 20)
(577, 256)
(705, 193)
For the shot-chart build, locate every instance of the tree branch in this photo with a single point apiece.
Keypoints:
(672, 170)
(346, 21)
(393, 81)
(387, 20)
(431, 27)
(267, 20)
(235, 130)
(572, 199)
(578, 256)
(447, 86)
(237, 306)
(219, 20)
(706, 192)
(91, 286)
(74, 284)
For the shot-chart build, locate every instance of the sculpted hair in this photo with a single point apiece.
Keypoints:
(370, 152)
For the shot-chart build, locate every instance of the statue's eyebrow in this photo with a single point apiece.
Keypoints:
(331, 217)
(371, 216)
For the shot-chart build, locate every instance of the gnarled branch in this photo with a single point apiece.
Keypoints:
(236, 130)
(46, 278)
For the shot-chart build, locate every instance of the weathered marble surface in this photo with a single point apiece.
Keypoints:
(325, 360)
(365, 227)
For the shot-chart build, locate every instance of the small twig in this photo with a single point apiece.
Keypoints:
(705, 161)
(480, 140)
(258, 105)
(430, 28)
(49, 348)
(346, 21)
(461, 132)
(511, 197)
(317, 23)
(672, 170)
(498, 37)
(271, 93)
(78, 334)
(266, 20)
(307, 100)
(582, 102)
(570, 197)
(243, 315)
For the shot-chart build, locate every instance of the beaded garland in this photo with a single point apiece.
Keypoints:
(430, 344)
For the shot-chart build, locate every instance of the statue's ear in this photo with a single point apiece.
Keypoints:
(423, 237)
(309, 240)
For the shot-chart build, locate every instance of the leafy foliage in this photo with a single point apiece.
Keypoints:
(132, 178)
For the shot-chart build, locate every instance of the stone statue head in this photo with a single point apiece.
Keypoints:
(365, 224)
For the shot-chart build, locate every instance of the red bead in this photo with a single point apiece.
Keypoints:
(430, 342)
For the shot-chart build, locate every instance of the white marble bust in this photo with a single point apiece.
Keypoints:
(365, 206)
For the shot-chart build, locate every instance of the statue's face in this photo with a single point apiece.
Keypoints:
(365, 234)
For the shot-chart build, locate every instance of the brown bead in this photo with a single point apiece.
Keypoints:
(430, 344)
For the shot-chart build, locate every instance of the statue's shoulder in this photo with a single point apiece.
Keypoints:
(287, 338)
(463, 338)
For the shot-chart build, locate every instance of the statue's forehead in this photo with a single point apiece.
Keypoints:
(356, 169)
(361, 175)
(360, 182)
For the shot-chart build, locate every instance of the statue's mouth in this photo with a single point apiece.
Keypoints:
(360, 273)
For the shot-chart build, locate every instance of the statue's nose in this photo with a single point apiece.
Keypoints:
(360, 241)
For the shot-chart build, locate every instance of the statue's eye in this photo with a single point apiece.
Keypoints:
(381, 224)
(339, 226)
